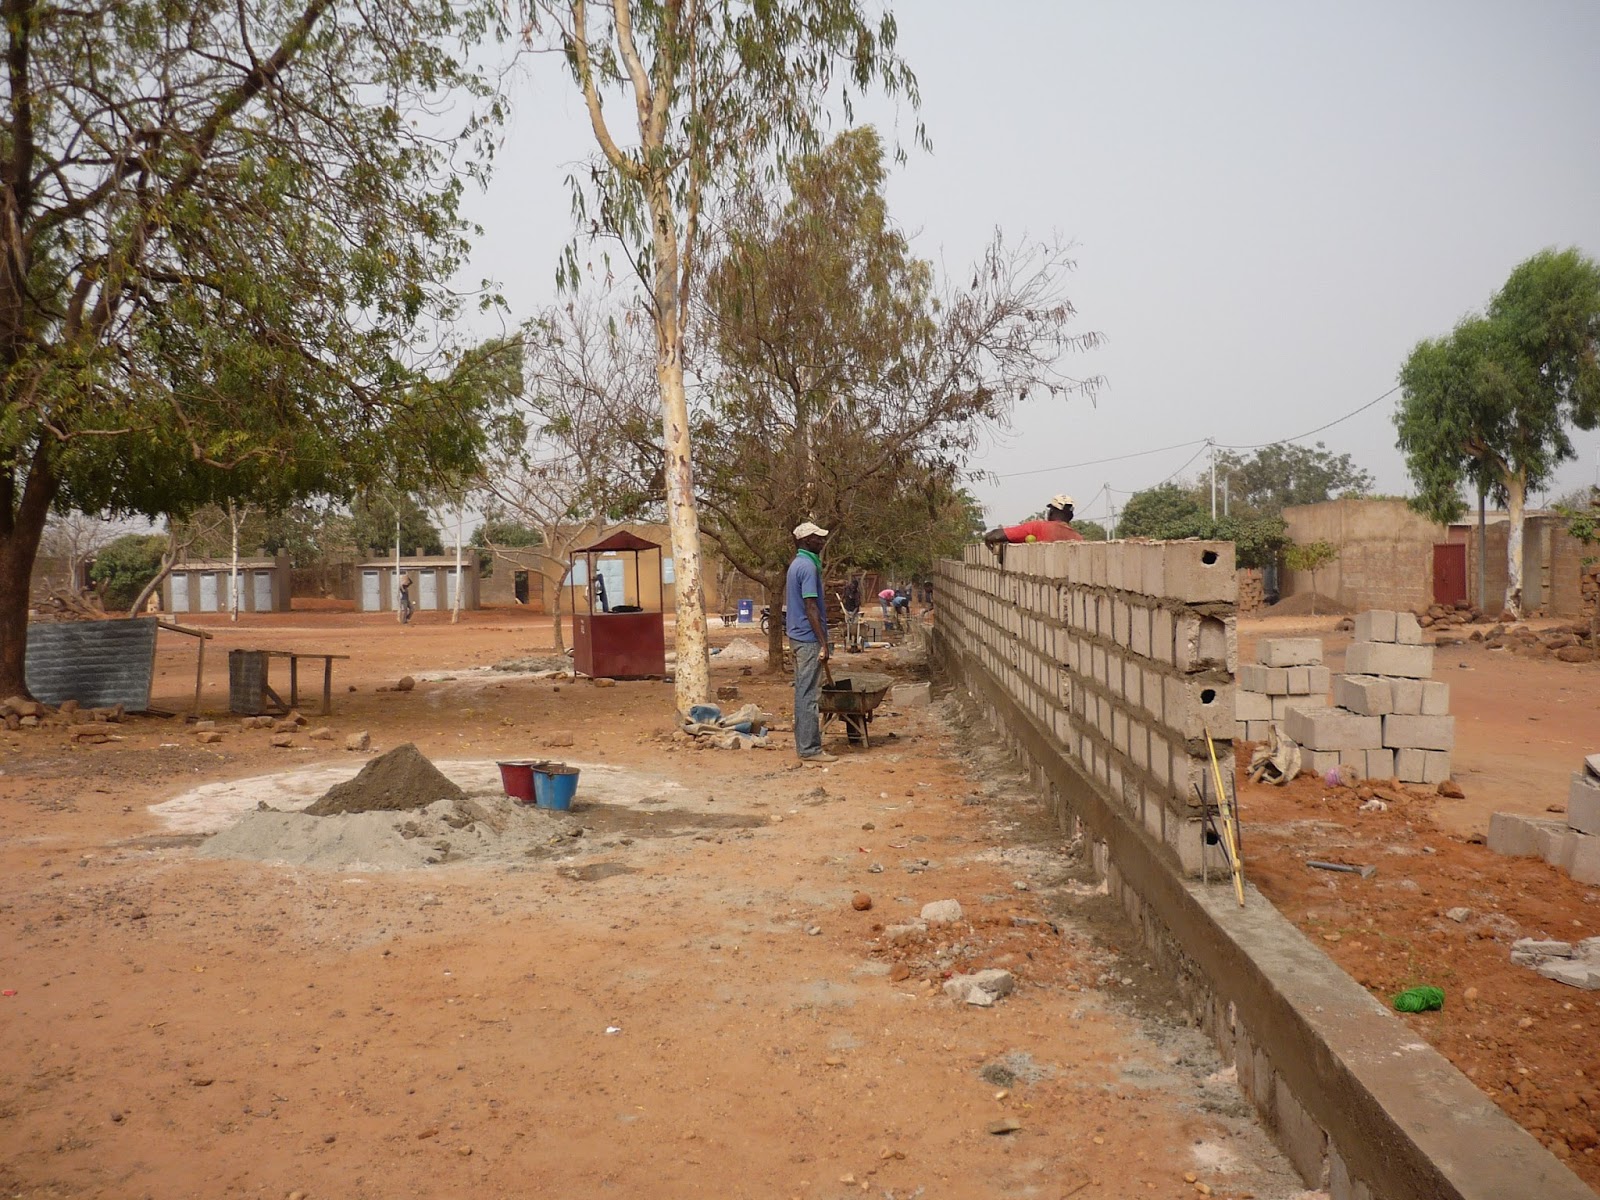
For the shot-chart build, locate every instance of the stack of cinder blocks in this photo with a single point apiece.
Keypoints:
(1572, 845)
(1390, 719)
(1289, 674)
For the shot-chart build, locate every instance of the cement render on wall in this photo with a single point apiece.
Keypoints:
(1361, 1106)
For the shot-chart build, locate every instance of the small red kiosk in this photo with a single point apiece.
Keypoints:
(629, 642)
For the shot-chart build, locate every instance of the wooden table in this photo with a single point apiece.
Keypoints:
(294, 657)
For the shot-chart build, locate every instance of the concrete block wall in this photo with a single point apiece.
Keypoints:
(1363, 1110)
(1389, 719)
(1289, 675)
(1125, 652)
(1572, 845)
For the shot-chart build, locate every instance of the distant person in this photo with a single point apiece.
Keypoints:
(886, 601)
(806, 623)
(902, 601)
(1056, 526)
(851, 603)
(405, 599)
(600, 593)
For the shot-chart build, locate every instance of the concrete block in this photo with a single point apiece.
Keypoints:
(1319, 762)
(1162, 635)
(1436, 767)
(1365, 694)
(1321, 680)
(1516, 835)
(1299, 681)
(1435, 699)
(1583, 804)
(1576, 974)
(1585, 866)
(1153, 561)
(1407, 632)
(1252, 677)
(1154, 700)
(1557, 846)
(1282, 704)
(1256, 731)
(1380, 764)
(1333, 729)
(1410, 766)
(1405, 696)
(1139, 627)
(1194, 707)
(1375, 626)
(1377, 658)
(1419, 733)
(1302, 1139)
(1251, 706)
(1200, 572)
(1289, 652)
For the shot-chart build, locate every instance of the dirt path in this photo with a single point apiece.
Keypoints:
(680, 1001)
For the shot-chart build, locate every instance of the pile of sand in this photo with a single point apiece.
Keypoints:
(398, 781)
(742, 650)
(399, 812)
(1303, 606)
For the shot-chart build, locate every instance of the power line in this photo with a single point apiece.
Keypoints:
(1302, 436)
(1202, 442)
(1095, 462)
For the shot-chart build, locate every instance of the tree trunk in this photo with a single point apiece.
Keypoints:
(560, 590)
(168, 557)
(693, 674)
(233, 567)
(21, 527)
(777, 588)
(1516, 497)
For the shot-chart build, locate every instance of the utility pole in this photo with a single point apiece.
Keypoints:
(1213, 446)
(1111, 508)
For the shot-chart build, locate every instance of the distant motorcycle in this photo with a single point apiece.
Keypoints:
(766, 616)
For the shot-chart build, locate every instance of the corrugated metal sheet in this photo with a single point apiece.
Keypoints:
(97, 663)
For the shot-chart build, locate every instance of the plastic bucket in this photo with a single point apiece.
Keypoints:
(516, 778)
(554, 785)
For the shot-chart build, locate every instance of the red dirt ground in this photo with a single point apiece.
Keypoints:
(1522, 728)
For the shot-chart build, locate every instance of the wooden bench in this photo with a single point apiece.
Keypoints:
(245, 692)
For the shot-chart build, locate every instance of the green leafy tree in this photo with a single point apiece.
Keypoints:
(372, 528)
(1310, 557)
(1491, 405)
(1092, 531)
(229, 228)
(123, 568)
(1168, 511)
(712, 90)
(1277, 476)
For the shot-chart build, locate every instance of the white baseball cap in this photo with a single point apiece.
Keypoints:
(1061, 501)
(809, 529)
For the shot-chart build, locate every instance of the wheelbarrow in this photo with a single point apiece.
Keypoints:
(852, 699)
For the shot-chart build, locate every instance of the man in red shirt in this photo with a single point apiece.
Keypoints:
(1056, 526)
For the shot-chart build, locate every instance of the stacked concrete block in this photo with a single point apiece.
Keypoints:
(1571, 845)
(1405, 730)
(1125, 652)
(1289, 674)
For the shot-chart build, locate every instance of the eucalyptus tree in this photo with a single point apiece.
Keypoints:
(228, 230)
(1492, 404)
(701, 92)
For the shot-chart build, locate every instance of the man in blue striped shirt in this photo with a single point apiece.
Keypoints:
(805, 620)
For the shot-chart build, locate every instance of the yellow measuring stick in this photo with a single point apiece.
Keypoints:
(1229, 829)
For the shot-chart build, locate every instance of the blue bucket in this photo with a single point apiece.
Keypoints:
(554, 785)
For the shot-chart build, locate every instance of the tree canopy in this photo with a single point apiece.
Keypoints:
(1489, 407)
(1285, 473)
(231, 229)
(1175, 510)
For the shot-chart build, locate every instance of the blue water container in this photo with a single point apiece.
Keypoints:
(747, 611)
(554, 785)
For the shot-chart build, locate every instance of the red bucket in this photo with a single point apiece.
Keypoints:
(516, 777)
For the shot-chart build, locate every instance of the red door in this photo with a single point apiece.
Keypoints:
(1450, 573)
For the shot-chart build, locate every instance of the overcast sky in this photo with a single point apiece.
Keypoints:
(1272, 203)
